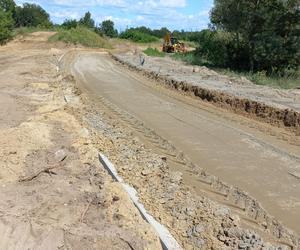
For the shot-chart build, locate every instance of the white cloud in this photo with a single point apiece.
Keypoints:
(74, 3)
(65, 14)
(152, 13)
(173, 3)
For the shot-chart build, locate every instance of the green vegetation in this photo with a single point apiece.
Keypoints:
(27, 30)
(85, 32)
(138, 36)
(189, 58)
(107, 28)
(149, 32)
(69, 24)
(6, 27)
(289, 80)
(7, 8)
(80, 35)
(87, 21)
(153, 52)
(31, 15)
(259, 35)
(161, 33)
(255, 39)
(13, 17)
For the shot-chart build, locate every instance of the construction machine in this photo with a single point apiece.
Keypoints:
(172, 45)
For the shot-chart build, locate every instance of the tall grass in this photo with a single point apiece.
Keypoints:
(288, 81)
(27, 30)
(81, 35)
(153, 52)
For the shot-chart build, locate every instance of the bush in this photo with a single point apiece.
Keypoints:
(137, 36)
(69, 24)
(6, 27)
(190, 58)
(154, 52)
(213, 47)
(80, 35)
(219, 49)
(266, 33)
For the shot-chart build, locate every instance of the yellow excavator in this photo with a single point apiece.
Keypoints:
(172, 45)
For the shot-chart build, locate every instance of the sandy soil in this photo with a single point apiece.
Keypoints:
(54, 192)
(56, 195)
(131, 104)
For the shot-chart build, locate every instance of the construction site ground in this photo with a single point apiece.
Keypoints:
(214, 178)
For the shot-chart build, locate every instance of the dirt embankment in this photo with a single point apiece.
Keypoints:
(54, 192)
(277, 107)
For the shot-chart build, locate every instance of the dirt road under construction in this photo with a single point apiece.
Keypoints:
(213, 178)
(258, 158)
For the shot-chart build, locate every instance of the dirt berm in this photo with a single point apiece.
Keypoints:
(280, 116)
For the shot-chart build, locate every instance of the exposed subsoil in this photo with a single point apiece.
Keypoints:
(275, 106)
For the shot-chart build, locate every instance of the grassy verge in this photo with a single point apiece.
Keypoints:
(81, 35)
(286, 82)
(189, 58)
(153, 52)
(27, 30)
(289, 81)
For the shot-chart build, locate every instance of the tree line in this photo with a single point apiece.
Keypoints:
(253, 35)
(105, 28)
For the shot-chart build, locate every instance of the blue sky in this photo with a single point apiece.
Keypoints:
(174, 14)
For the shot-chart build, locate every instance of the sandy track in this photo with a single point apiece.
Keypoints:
(225, 145)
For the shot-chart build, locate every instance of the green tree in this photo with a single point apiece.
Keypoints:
(31, 15)
(107, 28)
(161, 32)
(69, 24)
(6, 26)
(7, 5)
(268, 30)
(87, 20)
